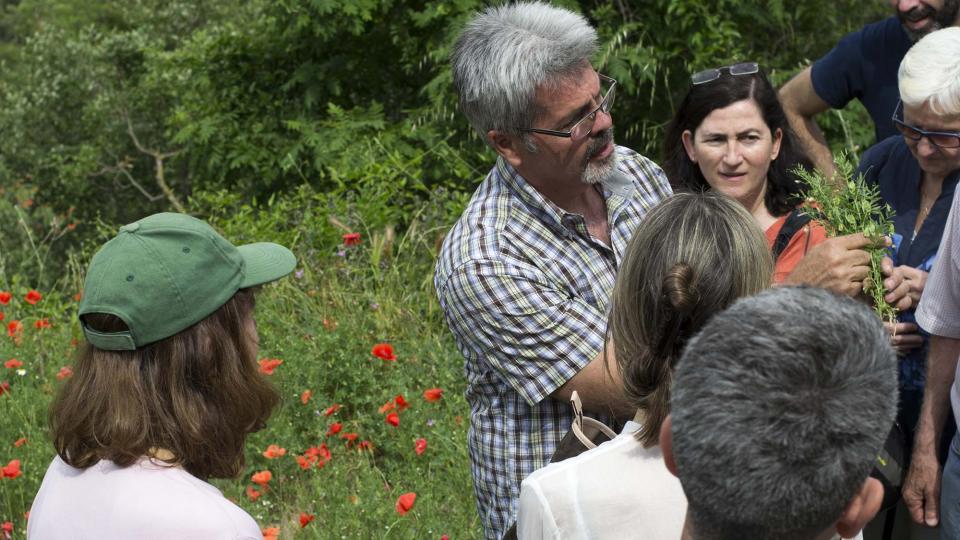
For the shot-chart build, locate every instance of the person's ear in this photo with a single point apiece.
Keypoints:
(687, 139)
(777, 139)
(861, 509)
(508, 146)
(666, 445)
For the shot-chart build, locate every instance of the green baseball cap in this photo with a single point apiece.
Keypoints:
(167, 272)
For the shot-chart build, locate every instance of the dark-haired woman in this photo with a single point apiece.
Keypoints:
(164, 392)
(730, 134)
(692, 256)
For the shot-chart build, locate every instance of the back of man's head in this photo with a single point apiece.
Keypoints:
(780, 407)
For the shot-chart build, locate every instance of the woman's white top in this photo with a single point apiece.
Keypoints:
(617, 490)
(146, 501)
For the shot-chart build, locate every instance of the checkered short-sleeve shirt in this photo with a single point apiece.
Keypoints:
(525, 291)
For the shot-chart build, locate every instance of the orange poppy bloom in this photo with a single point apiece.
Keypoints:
(420, 446)
(388, 406)
(41, 323)
(14, 328)
(405, 502)
(273, 451)
(252, 494)
(261, 477)
(33, 297)
(331, 409)
(305, 396)
(383, 351)
(271, 533)
(11, 470)
(13, 363)
(433, 394)
(20, 442)
(64, 373)
(267, 365)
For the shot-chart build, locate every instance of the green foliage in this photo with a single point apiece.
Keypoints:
(848, 205)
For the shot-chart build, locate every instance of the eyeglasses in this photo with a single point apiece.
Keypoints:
(710, 75)
(940, 139)
(584, 126)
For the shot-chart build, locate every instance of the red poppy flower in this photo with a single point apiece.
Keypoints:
(252, 494)
(14, 328)
(11, 470)
(405, 502)
(4, 387)
(273, 451)
(365, 445)
(388, 406)
(2, 316)
(331, 409)
(444, 537)
(267, 365)
(7, 528)
(42, 323)
(64, 373)
(351, 239)
(5, 297)
(306, 518)
(349, 437)
(433, 394)
(261, 477)
(383, 351)
(79, 296)
(393, 419)
(20, 442)
(33, 297)
(401, 403)
(305, 396)
(420, 446)
(304, 462)
(271, 533)
(13, 363)
(334, 428)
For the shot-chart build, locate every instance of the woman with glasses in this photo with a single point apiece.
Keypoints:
(917, 172)
(691, 257)
(730, 134)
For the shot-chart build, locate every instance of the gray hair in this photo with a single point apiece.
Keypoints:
(507, 52)
(930, 72)
(780, 407)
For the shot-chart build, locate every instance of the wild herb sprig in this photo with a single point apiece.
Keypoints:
(847, 205)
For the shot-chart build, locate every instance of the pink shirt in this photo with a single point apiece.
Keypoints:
(147, 501)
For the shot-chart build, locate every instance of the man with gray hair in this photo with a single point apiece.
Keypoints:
(524, 277)
(780, 407)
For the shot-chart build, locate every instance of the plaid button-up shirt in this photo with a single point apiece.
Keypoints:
(525, 290)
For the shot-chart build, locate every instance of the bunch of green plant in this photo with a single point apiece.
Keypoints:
(845, 205)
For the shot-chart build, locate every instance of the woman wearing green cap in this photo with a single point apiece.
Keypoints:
(164, 392)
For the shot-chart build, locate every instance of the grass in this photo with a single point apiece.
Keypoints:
(322, 323)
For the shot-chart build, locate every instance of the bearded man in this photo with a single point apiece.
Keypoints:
(524, 277)
(863, 66)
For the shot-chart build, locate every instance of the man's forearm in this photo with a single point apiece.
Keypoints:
(941, 366)
(813, 142)
(600, 388)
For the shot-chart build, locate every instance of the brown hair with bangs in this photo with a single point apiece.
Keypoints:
(197, 394)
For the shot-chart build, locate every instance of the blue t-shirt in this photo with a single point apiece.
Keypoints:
(864, 65)
(890, 165)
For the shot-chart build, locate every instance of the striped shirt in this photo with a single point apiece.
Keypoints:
(525, 290)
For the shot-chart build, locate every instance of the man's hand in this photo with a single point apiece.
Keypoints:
(921, 490)
(839, 264)
(904, 337)
(904, 284)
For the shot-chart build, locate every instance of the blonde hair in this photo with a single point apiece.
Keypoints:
(691, 257)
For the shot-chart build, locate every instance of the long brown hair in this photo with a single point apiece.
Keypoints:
(692, 256)
(197, 394)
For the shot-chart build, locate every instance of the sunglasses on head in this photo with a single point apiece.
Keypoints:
(712, 74)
